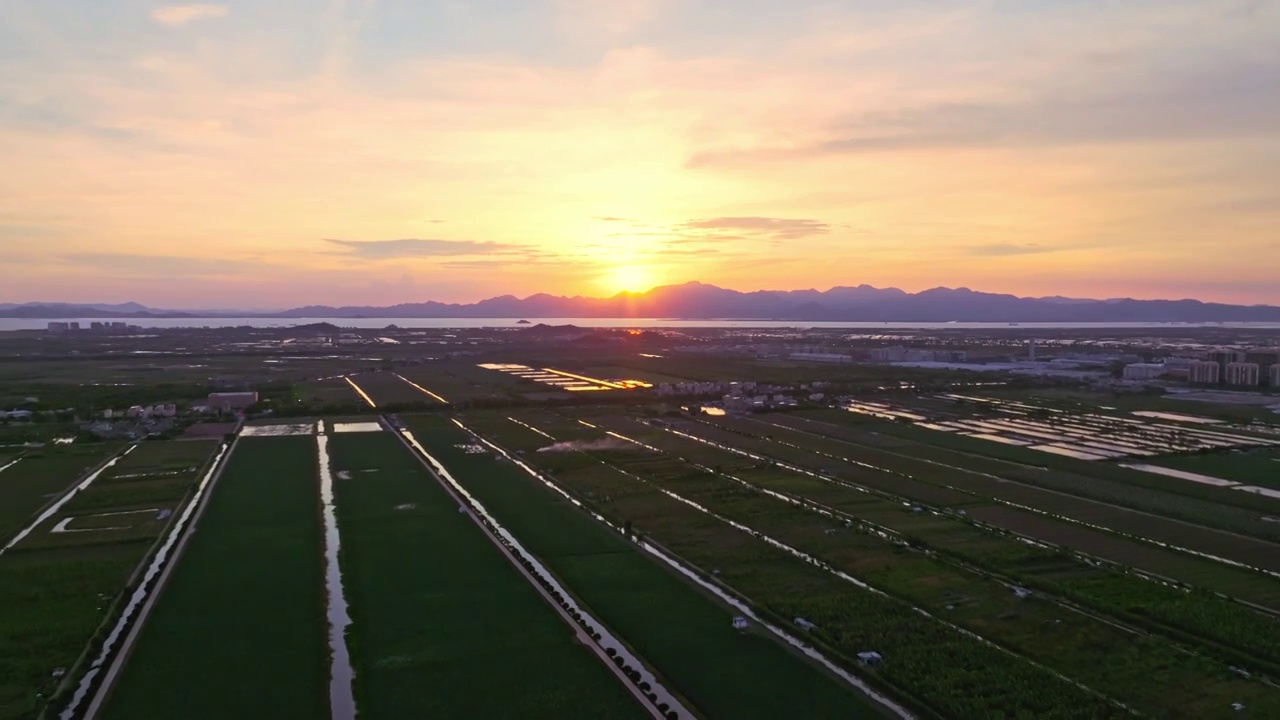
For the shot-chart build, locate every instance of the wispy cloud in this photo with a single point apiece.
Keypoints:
(178, 15)
(143, 265)
(584, 264)
(1005, 249)
(420, 248)
(776, 228)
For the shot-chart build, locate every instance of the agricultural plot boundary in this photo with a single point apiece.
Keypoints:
(112, 656)
(423, 390)
(1008, 503)
(698, 577)
(848, 578)
(182, 658)
(1101, 615)
(625, 666)
(672, 479)
(52, 508)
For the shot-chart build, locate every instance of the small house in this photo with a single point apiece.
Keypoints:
(804, 624)
(870, 658)
(1021, 592)
(740, 623)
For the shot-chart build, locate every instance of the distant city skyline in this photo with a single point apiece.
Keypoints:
(274, 154)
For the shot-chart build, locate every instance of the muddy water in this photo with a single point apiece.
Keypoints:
(66, 498)
(142, 591)
(342, 703)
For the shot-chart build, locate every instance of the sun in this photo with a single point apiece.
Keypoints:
(628, 278)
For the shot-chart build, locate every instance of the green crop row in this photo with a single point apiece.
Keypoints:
(442, 624)
(676, 628)
(952, 673)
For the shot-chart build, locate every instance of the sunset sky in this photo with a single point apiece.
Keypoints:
(274, 153)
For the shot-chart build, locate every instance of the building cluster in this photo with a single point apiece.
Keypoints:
(1240, 368)
(167, 410)
(227, 402)
(898, 353)
(1246, 368)
(95, 328)
(706, 388)
(821, 357)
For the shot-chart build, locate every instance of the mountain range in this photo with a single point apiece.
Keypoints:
(696, 300)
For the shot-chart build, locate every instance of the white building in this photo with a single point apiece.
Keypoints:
(1243, 373)
(821, 357)
(1143, 371)
(740, 623)
(1275, 376)
(890, 354)
(1204, 372)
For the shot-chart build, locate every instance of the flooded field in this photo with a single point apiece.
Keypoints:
(357, 427)
(278, 430)
(564, 380)
(1084, 436)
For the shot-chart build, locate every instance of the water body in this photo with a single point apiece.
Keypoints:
(342, 702)
(9, 324)
(142, 591)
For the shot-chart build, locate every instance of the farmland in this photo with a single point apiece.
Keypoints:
(788, 587)
(1049, 632)
(259, 539)
(1259, 467)
(36, 477)
(454, 633)
(680, 631)
(66, 577)
(392, 389)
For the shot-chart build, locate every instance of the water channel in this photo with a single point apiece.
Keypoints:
(342, 703)
(144, 588)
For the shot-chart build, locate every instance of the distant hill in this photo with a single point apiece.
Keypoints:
(54, 311)
(853, 304)
(704, 302)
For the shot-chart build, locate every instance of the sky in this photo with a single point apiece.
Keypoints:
(276, 153)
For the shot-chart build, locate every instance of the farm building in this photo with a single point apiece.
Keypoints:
(740, 623)
(231, 400)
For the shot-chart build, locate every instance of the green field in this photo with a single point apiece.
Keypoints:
(240, 629)
(40, 477)
(684, 634)
(56, 590)
(1145, 672)
(1256, 467)
(443, 625)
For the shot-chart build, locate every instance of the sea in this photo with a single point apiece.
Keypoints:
(11, 324)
